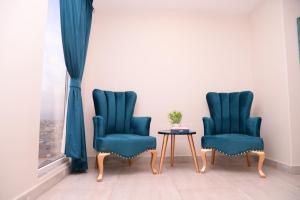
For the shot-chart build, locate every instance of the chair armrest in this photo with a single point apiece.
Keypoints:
(253, 126)
(99, 129)
(140, 125)
(209, 126)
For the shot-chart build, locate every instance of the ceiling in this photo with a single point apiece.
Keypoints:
(234, 7)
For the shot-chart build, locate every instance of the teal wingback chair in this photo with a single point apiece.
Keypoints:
(117, 132)
(230, 129)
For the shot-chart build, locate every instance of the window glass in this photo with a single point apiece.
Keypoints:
(53, 99)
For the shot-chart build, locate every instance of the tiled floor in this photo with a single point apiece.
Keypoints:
(229, 179)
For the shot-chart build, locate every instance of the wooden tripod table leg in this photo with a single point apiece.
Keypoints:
(172, 150)
(163, 152)
(191, 141)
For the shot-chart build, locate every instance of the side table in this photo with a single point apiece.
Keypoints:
(166, 134)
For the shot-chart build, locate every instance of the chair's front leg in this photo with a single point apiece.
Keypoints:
(261, 158)
(153, 161)
(100, 160)
(203, 158)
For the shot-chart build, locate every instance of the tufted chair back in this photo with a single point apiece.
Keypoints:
(230, 111)
(116, 108)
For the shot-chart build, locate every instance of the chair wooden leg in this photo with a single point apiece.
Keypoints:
(100, 159)
(203, 157)
(153, 161)
(129, 162)
(261, 158)
(248, 160)
(96, 163)
(213, 154)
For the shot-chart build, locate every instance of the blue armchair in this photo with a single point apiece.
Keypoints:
(117, 132)
(230, 130)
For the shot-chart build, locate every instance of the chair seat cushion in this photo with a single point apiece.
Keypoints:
(232, 144)
(125, 145)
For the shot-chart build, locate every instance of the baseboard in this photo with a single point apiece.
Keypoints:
(46, 182)
(282, 167)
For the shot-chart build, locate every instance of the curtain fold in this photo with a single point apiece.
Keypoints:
(298, 24)
(76, 18)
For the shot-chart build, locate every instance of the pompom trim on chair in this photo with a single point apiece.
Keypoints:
(233, 155)
(125, 157)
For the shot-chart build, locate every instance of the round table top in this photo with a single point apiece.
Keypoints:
(169, 132)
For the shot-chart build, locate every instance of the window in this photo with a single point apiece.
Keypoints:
(53, 99)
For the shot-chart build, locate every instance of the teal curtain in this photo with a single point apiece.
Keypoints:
(298, 24)
(76, 18)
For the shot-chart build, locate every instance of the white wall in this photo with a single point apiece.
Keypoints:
(171, 59)
(270, 79)
(21, 58)
(291, 10)
(276, 77)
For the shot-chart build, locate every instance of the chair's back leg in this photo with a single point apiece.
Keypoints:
(248, 159)
(213, 155)
(129, 162)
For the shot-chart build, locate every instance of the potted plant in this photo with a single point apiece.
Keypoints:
(175, 118)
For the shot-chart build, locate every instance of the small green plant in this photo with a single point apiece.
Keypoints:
(175, 117)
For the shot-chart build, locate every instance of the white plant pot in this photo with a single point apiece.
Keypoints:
(175, 125)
